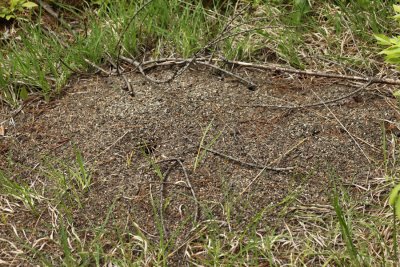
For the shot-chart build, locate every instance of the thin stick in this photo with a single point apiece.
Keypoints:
(139, 67)
(314, 73)
(248, 164)
(110, 146)
(276, 160)
(128, 86)
(176, 61)
(252, 181)
(188, 183)
(249, 84)
(323, 103)
(97, 67)
(341, 124)
(197, 212)
(164, 178)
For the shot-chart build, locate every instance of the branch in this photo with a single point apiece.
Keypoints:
(248, 164)
(314, 73)
(323, 103)
(179, 61)
(139, 66)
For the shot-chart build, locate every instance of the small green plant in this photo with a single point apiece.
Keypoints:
(396, 94)
(202, 151)
(392, 52)
(392, 56)
(71, 180)
(300, 10)
(345, 230)
(14, 7)
(80, 174)
(394, 202)
(19, 191)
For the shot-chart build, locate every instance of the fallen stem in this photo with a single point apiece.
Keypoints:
(248, 164)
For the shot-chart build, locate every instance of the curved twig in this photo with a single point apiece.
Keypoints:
(252, 86)
(248, 83)
(251, 165)
(177, 61)
(323, 103)
(197, 212)
(164, 179)
(313, 73)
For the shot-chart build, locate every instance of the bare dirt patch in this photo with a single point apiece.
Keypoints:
(122, 134)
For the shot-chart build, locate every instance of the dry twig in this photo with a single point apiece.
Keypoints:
(344, 127)
(205, 60)
(313, 73)
(275, 161)
(110, 146)
(139, 66)
(251, 165)
(128, 86)
(97, 67)
(197, 212)
(249, 84)
(322, 103)
(164, 178)
(188, 183)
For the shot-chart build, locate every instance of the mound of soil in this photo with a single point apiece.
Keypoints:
(126, 138)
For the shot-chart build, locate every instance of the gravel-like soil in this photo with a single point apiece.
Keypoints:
(123, 135)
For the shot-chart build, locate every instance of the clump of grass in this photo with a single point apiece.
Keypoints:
(42, 60)
(19, 191)
(71, 180)
(202, 149)
(345, 230)
(300, 34)
(352, 231)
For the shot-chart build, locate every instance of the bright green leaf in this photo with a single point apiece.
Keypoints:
(394, 40)
(29, 5)
(394, 195)
(396, 17)
(391, 51)
(23, 93)
(396, 94)
(397, 208)
(396, 8)
(382, 39)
